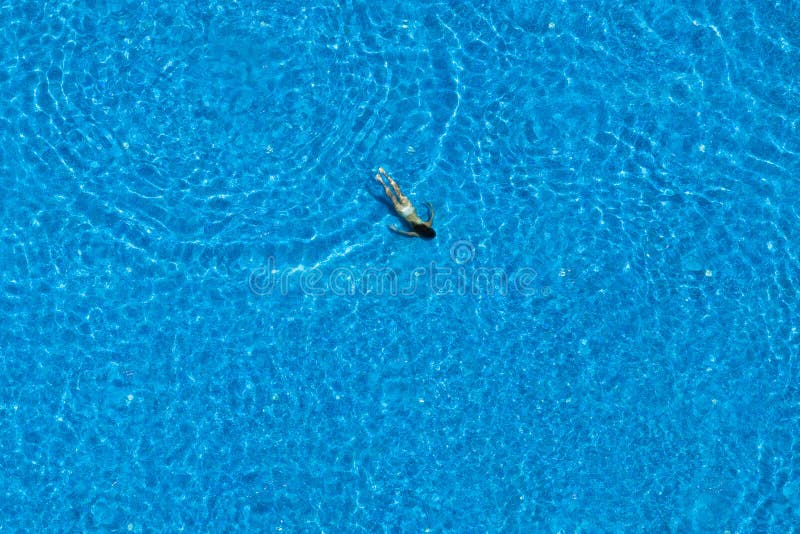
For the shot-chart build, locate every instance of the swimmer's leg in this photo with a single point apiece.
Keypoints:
(386, 190)
(403, 199)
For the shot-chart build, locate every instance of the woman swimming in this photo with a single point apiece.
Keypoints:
(406, 210)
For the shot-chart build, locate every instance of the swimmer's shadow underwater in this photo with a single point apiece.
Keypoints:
(404, 209)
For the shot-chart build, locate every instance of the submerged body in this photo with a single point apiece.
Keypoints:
(406, 210)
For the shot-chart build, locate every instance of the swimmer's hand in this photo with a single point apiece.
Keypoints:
(430, 208)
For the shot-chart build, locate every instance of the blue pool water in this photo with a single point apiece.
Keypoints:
(207, 325)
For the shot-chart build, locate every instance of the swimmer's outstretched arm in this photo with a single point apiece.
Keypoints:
(393, 228)
(429, 222)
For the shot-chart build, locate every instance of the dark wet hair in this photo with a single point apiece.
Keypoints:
(424, 231)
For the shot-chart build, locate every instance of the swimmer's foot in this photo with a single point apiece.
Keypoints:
(386, 175)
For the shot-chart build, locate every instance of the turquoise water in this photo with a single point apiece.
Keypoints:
(208, 326)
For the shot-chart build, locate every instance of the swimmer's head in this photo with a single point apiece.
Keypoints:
(424, 231)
